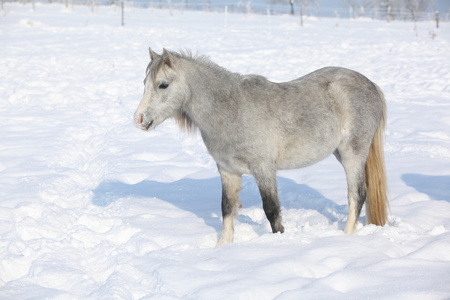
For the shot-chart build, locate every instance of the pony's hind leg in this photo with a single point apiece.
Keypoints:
(231, 186)
(357, 194)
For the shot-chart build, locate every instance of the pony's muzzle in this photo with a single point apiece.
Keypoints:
(138, 118)
(139, 121)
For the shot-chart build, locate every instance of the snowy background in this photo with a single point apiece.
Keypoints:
(93, 208)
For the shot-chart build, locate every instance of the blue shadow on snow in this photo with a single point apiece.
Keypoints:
(436, 187)
(203, 196)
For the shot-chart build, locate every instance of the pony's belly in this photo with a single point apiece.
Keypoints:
(298, 163)
(301, 158)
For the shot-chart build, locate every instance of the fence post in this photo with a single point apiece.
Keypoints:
(301, 15)
(226, 16)
(437, 19)
(123, 15)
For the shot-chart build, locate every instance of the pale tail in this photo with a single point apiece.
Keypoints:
(376, 176)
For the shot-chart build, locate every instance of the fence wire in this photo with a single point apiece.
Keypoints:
(261, 7)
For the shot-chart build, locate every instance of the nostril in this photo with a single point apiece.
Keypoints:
(140, 120)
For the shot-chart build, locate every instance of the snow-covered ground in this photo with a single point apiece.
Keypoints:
(93, 208)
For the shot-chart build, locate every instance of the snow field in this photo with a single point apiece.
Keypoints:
(92, 208)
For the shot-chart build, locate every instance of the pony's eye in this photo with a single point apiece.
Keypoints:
(163, 86)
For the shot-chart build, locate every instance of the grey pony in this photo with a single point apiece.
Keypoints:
(251, 125)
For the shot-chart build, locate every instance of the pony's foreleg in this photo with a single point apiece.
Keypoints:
(231, 186)
(269, 194)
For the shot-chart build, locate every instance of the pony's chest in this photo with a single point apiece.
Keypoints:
(231, 156)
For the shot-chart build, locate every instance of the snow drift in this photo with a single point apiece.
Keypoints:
(92, 208)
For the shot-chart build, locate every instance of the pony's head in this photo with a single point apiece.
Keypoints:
(165, 91)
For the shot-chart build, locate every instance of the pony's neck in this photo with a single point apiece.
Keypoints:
(213, 93)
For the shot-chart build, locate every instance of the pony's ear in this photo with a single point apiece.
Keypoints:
(168, 58)
(153, 54)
